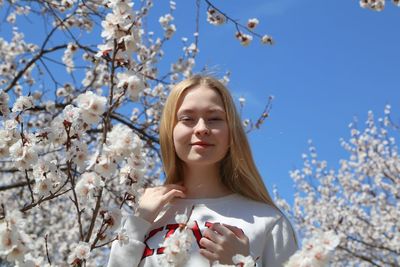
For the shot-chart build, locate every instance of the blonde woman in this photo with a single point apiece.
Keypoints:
(209, 166)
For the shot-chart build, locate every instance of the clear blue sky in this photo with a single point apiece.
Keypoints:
(332, 61)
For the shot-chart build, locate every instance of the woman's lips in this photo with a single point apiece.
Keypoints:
(201, 144)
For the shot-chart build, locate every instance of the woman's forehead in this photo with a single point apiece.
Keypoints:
(210, 110)
(201, 96)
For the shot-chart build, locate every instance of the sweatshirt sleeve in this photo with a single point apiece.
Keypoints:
(281, 243)
(129, 255)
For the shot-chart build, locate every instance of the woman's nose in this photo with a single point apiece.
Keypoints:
(201, 127)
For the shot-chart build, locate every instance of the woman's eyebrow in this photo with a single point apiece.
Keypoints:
(211, 110)
(216, 110)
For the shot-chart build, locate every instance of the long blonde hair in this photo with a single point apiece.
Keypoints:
(238, 170)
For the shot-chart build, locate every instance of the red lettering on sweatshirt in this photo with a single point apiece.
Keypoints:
(197, 233)
(171, 228)
(148, 251)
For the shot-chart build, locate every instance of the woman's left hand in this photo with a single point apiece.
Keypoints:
(222, 241)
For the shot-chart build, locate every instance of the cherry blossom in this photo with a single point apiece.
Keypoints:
(132, 83)
(316, 251)
(92, 106)
(215, 17)
(252, 23)
(237, 260)
(68, 57)
(244, 39)
(23, 103)
(122, 237)
(178, 245)
(377, 5)
(80, 253)
(267, 40)
(23, 155)
(89, 183)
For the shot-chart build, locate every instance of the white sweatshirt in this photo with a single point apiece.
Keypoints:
(270, 235)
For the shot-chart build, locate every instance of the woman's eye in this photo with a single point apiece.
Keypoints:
(215, 119)
(185, 119)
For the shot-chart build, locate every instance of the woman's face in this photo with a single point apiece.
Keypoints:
(201, 135)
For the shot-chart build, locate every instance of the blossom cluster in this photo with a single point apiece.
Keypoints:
(216, 17)
(316, 251)
(376, 5)
(169, 28)
(13, 242)
(360, 196)
(178, 245)
(11, 54)
(68, 57)
(121, 27)
(80, 253)
(238, 260)
(77, 15)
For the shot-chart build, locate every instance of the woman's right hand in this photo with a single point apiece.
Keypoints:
(154, 199)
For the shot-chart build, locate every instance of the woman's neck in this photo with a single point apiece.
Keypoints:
(203, 182)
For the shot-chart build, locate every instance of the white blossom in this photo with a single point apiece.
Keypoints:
(215, 17)
(252, 23)
(113, 219)
(181, 218)
(244, 39)
(17, 253)
(106, 166)
(132, 83)
(92, 106)
(242, 100)
(377, 5)
(177, 248)
(316, 251)
(4, 99)
(11, 18)
(244, 261)
(82, 250)
(121, 141)
(122, 237)
(43, 187)
(8, 239)
(68, 57)
(165, 20)
(266, 39)
(71, 113)
(23, 103)
(23, 155)
(89, 183)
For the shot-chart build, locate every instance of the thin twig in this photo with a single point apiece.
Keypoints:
(47, 250)
(29, 186)
(94, 216)
(50, 197)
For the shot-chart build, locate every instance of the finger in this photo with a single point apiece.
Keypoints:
(209, 255)
(209, 245)
(236, 230)
(213, 236)
(171, 194)
(222, 230)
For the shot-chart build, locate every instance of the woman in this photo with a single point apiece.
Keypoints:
(208, 166)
